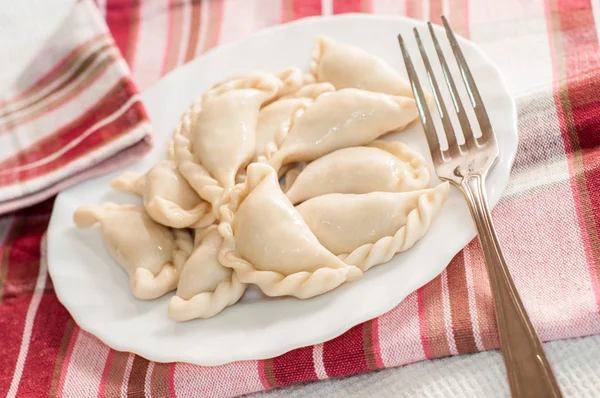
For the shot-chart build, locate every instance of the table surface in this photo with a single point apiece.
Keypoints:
(576, 363)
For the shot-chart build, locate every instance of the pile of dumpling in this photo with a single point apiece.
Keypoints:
(277, 180)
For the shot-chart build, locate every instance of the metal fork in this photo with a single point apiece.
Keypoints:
(466, 166)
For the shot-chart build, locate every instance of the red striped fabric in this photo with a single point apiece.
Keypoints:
(70, 115)
(296, 9)
(346, 6)
(548, 219)
(122, 18)
(114, 100)
(576, 34)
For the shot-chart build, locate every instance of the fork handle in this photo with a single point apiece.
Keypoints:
(528, 370)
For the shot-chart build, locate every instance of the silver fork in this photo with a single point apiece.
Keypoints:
(466, 166)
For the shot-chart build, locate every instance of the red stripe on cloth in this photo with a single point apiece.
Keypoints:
(484, 302)
(171, 382)
(174, 35)
(344, 355)
(346, 6)
(296, 9)
(4, 252)
(12, 309)
(110, 133)
(262, 375)
(159, 381)
(61, 356)
(21, 262)
(462, 327)
(137, 377)
(369, 344)
(116, 374)
(56, 71)
(268, 369)
(65, 368)
(95, 74)
(435, 11)
(116, 97)
(86, 68)
(376, 343)
(44, 346)
(423, 324)
(433, 314)
(104, 376)
(22, 256)
(414, 9)
(294, 367)
(107, 106)
(213, 33)
(194, 30)
(122, 18)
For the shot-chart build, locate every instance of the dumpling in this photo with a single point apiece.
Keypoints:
(266, 242)
(381, 166)
(205, 286)
(274, 119)
(292, 79)
(216, 139)
(345, 118)
(274, 123)
(312, 90)
(171, 150)
(368, 229)
(168, 198)
(291, 175)
(151, 254)
(263, 81)
(347, 66)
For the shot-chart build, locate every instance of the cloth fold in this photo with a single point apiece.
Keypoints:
(72, 114)
(548, 220)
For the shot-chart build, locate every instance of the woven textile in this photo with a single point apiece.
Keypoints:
(548, 220)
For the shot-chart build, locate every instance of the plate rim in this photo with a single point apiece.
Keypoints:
(327, 334)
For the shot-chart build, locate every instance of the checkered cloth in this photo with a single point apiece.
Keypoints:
(548, 220)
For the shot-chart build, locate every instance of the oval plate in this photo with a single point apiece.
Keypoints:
(95, 290)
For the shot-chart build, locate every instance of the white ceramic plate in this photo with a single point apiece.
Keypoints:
(95, 290)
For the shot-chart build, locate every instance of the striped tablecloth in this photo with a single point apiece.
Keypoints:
(548, 220)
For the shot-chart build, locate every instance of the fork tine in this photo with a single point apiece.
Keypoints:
(426, 120)
(483, 119)
(458, 106)
(453, 149)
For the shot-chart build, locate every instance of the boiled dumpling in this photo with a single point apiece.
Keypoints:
(168, 198)
(266, 242)
(381, 166)
(151, 254)
(171, 150)
(345, 118)
(312, 90)
(205, 286)
(216, 139)
(274, 119)
(292, 79)
(368, 229)
(274, 123)
(263, 81)
(346, 66)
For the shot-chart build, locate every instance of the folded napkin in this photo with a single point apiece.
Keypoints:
(547, 221)
(72, 114)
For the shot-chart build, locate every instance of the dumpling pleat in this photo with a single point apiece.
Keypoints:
(417, 224)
